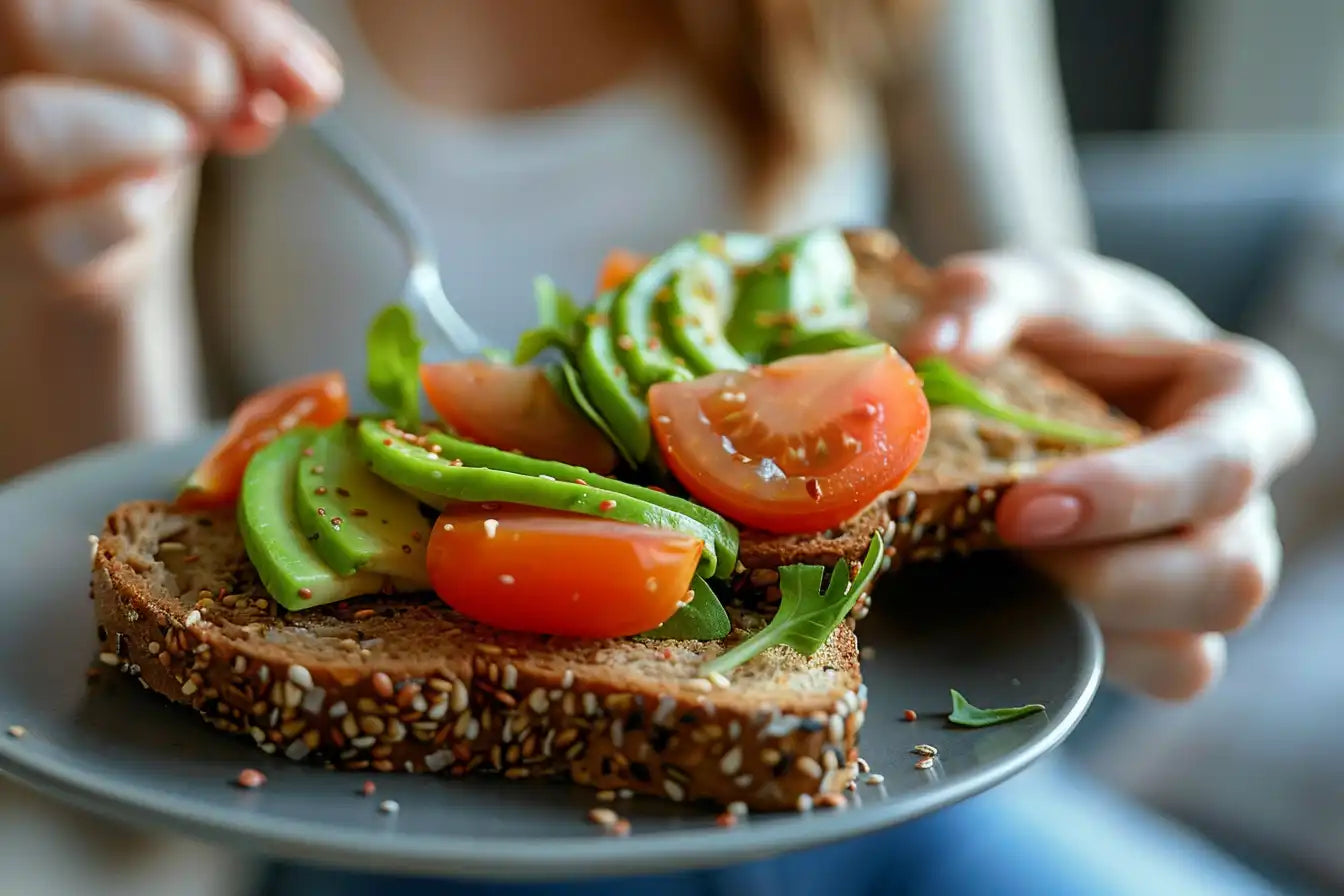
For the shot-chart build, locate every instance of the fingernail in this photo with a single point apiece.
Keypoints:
(1048, 518)
(315, 70)
(266, 109)
(944, 334)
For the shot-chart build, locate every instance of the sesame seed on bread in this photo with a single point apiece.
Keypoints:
(404, 684)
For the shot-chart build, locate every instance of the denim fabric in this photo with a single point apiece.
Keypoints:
(1050, 831)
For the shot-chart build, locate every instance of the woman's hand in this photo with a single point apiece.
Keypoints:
(104, 104)
(1171, 540)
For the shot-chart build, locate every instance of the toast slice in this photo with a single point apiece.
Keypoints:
(405, 684)
(947, 503)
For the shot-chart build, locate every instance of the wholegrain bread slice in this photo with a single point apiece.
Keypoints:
(403, 684)
(394, 684)
(947, 504)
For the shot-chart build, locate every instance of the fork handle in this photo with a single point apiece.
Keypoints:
(366, 173)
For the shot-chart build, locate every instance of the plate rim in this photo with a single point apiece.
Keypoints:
(567, 857)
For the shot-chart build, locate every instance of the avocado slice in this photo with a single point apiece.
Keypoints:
(288, 565)
(474, 455)
(693, 317)
(354, 520)
(608, 386)
(439, 479)
(805, 285)
(640, 350)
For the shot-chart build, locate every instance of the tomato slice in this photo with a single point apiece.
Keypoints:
(618, 267)
(516, 409)
(320, 399)
(540, 571)
(800, 445)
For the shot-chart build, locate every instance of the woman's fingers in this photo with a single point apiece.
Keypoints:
(66, 249)
(1169, 666)
(1214, 579)
(978, 305)
(276, 50)
(254, 126)
(1235, 416)
(157, 50)
(58, 135)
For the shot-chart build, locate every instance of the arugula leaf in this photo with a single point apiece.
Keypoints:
(394, 364)
(703, 619)
(556, 318)
(806, 615)
(964, 713)
(569, 384)
(944, 385)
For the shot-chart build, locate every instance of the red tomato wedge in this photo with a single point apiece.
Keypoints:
(515, 409)
(618, 267)
(551, 573)
(800, 445)
(320, 399)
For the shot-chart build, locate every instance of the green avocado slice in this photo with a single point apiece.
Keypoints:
(806, 284)
(608, 386)
(641, 351)
(475, 455)
(439, 480)
(693, 317)
(354, 520)
(286, 562)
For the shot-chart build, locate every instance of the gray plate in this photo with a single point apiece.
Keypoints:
(985, 628)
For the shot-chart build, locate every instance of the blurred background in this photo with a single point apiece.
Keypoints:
(1210, 136)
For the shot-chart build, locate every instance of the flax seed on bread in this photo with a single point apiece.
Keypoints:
(404, 684)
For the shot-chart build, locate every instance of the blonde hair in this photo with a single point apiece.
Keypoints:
(784, 73)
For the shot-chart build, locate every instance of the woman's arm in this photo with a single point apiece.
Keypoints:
(981, 149)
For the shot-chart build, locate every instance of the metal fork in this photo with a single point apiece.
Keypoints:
(382, 191)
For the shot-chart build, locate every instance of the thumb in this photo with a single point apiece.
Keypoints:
(979, 304)
(976, 307)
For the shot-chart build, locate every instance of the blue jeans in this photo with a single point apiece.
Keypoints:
(1049, 831)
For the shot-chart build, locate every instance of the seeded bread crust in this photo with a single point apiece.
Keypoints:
(406, 685)
(947, 504)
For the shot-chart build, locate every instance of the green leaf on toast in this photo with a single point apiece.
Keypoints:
(569, 385)
(807, 615)
(703, 619)
(963, 713)
(556, 318)
(945, 385)
(394, 364)
(818, 343)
